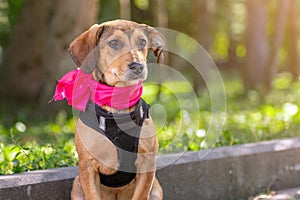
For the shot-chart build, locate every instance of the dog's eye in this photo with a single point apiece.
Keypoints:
(142, 43)
(115, 44)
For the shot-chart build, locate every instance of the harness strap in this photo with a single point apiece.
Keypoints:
(123, 130)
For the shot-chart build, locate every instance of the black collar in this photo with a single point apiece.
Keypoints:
(101, 120)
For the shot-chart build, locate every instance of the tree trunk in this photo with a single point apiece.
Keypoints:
(203, 14)
(280, 29)
(125, 9)
(37, 55)
(256, 41)
(23, 62)
(160, 19)
(292, 38)
(203, 11)
(66, 20)
(160, 14)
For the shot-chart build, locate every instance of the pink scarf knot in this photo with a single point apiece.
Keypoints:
(78, 88)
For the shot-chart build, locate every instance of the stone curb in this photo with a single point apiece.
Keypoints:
(236, 172)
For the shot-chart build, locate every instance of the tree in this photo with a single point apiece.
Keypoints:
(23, 59)
(203, 15)
(271, 68)
(161, 14)
(261, 60)
(292, 37)
(125, 9)
(256, 42)
(37, 54)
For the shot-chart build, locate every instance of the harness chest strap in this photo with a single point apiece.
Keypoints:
(123, 130)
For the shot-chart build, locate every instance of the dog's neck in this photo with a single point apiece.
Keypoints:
(113, 110)
(99, 76)
(79, 88)
(118, 84)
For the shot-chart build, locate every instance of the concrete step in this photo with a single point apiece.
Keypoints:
(288, 194)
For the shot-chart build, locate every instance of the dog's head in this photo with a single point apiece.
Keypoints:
(116, 51)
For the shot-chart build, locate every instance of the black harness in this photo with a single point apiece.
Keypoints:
(123, 130)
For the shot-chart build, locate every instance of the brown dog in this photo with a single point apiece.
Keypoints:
(115, 53)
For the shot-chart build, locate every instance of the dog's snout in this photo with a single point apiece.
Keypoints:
(136, 67)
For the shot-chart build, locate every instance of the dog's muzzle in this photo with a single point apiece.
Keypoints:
(136, 67)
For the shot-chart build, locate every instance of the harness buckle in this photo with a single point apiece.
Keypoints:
(141, 112)
(102, 123)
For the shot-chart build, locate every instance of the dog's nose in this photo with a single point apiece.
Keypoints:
(136, 67)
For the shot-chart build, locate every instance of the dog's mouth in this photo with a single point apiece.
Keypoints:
(136, 77)
(132, 74)
(129, 79)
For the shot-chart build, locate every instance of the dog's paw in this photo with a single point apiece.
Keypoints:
(77, 193)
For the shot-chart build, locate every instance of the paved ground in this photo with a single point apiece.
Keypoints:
(289, 194)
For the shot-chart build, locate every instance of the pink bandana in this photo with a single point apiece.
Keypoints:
(78, 88)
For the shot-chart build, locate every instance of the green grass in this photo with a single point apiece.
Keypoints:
(250, 117)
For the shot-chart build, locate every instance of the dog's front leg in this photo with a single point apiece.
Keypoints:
(89, 179)
(144, 182)
(146, 164)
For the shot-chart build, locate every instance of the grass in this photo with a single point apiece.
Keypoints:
(250, 117)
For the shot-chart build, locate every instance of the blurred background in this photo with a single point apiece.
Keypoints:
(254, 43)
(253, 39)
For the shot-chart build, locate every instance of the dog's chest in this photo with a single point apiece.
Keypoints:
(123, 130)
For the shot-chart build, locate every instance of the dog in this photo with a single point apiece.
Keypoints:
(114, 54)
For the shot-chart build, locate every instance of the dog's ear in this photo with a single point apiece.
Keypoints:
(83, 48)
(157, 43)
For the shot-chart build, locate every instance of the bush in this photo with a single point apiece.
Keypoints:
(31, 146)
(32, 156)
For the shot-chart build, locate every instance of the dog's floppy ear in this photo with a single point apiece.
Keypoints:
(83, 48)
(157, 43)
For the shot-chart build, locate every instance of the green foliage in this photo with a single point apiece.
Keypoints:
(142, 4)
(9, 11)
(110, 9)
(32, 156)
(15, 7)
(31, 146)
(250, 117)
